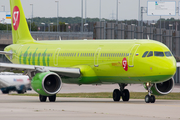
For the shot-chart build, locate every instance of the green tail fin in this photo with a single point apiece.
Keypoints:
(20, 30)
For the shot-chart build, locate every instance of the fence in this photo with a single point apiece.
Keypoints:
(61, 35)
(177, 76)
(76, 27)
(6, 37)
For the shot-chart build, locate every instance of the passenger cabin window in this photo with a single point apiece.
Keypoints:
(150, 54)
(168, 54)
(144, 55)
(159, 54)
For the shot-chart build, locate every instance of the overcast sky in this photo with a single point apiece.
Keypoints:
(128, 9)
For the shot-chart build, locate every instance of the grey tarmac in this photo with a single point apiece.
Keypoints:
(29, 108)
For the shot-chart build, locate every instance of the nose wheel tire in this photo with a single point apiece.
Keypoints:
(42, 98)
(52, 98)
(125, 95)
(149, 99)
(116, 95)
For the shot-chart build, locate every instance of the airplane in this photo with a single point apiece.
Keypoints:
(14, 82)
(51, 63)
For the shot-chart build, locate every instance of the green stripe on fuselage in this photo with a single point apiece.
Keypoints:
(25, 56)
(44, 56)
(34, 56)
(39, 56)
(20, 57)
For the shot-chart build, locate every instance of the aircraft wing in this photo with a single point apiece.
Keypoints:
(68, 72)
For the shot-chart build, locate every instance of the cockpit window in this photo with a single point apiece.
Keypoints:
(159, 54)
(144, 55)
(168, 54)
(150, 54)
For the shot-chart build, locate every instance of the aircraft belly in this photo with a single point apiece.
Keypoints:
(82, 80)
(134, 80)
(117, 79)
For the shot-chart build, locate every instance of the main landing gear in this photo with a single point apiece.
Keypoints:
(149, 98)
(124, 93)
(51, 98)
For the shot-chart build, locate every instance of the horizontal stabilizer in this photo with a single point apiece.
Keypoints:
(6, 53)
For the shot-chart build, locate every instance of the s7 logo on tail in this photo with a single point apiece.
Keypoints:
(16, 17)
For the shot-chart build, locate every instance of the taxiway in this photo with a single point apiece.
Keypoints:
(29, 108)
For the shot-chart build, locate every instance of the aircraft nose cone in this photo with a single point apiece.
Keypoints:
(172, 70)
(169, 68)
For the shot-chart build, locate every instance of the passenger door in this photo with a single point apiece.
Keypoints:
(56, 56)
(132, 54)
(96, 56)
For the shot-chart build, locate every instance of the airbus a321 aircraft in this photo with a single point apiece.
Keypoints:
(123, 62)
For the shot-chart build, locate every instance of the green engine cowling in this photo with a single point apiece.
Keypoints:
(46, 83)
(163, 88)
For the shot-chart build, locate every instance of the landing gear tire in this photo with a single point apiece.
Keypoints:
(42, 98)
(125, 95)
(116, 95)
(153, 99)
(149, 99)
(52, 98)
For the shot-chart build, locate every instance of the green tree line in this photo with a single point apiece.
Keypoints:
(69, 20)
(36, 22)
(5, 26)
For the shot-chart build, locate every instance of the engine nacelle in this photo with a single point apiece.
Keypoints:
(47, 83)
(162, 88)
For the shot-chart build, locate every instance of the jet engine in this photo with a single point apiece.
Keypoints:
(46, 83)
(162, 88)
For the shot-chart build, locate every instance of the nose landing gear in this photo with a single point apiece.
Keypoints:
(124, 93)
(149, 98)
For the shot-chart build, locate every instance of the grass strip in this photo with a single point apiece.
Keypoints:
(133, 95)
